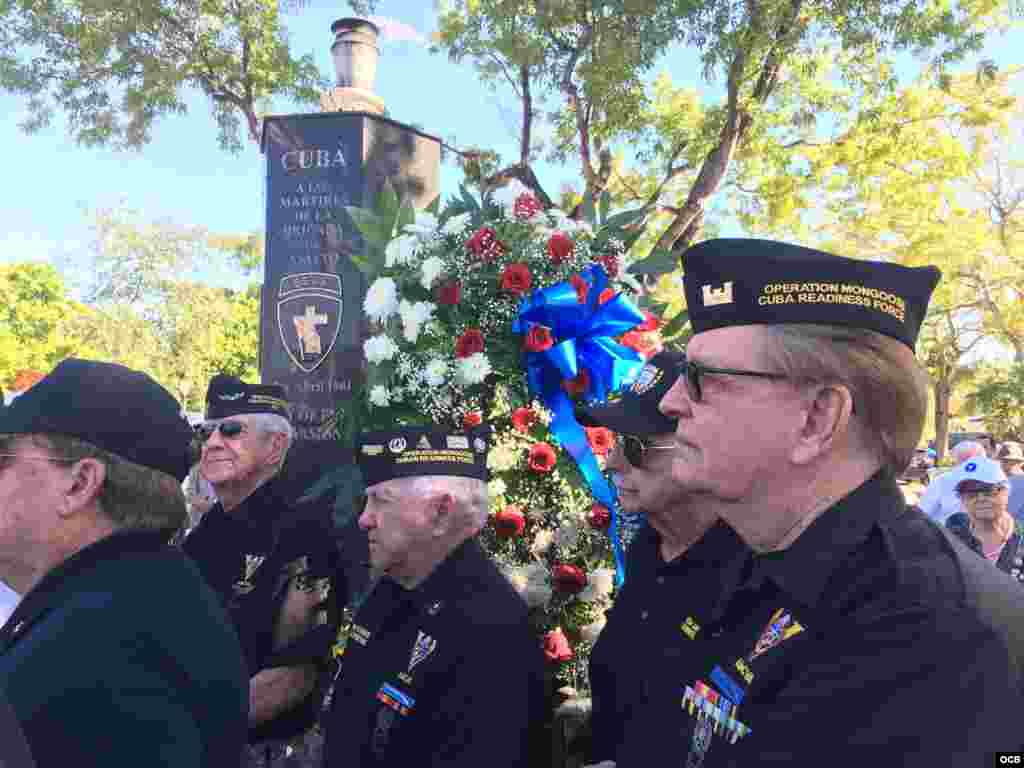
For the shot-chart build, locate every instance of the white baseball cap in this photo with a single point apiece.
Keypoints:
(981, 469)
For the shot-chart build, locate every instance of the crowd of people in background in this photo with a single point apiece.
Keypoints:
(784, 606)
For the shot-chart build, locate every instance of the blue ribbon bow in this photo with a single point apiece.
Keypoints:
(583, 335)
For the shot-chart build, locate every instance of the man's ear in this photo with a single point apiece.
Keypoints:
(826, 420)
(442, 514)
(85, 484)
(278, 447)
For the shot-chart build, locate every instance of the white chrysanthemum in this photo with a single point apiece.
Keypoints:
(381, 299)
(506, 196)
(432, 269)
(568, 534)
(543, 414)
(502, 457)
(590, 632)
(379, 348)
(542, 542)
(380, 396)
(599, 585)
(496, 488)
(399, 251)
(423, 228)
(456, 224)
(474, 369)
(436, 372)
(413, 317)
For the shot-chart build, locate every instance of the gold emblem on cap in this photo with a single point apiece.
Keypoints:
(714, 297)
(397, 445)
(373, 450)
(458, 441)
(423, 444)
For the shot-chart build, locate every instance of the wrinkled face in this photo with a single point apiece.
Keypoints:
(30, 494)
(1011, 466)
(397, 522)
(649, 487)
(238, 460)
(736, 440)
(986, 504)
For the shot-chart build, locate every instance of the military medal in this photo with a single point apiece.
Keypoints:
(421, 649)
(690, 627)
(245, 585)
(780, 628)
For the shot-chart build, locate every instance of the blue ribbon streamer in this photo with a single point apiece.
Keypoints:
(583, 334)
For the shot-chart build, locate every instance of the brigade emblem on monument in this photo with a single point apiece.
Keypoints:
(309, 316)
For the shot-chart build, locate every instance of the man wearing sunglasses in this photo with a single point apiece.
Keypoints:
(682, 552)
(118, 652)
(273, 566)
(860, 632)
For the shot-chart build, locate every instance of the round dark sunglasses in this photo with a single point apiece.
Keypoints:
(228, 428)
(693, 372)
(634, 448)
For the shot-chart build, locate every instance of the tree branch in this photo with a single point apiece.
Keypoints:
(527, 98)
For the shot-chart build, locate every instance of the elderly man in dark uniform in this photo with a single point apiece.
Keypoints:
(272, 564)
(442, 667)
(683, 550)
(118, 653)
(860, 632)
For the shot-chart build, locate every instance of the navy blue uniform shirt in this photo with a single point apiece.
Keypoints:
(646, 633)
(252, 557)
(875, 639)
(122, 656)
(449, 674)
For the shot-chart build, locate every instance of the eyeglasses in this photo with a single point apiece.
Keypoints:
(634, 448)
(693, 371)
(229, 428)
(994, 490)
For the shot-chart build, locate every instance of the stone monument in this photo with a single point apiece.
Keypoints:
(311, 320)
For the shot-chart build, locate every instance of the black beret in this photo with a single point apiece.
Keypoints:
(122, 411)
(227, 396)
(417, 451)
(633, 410)
(763, 282)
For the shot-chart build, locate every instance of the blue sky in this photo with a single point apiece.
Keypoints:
(182, 175)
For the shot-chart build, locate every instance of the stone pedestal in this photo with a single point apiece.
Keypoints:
(351, 100)
(311, 319)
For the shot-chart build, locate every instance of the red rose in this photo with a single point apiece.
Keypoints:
(599, 518)
(516, 278)
(601, 440)
(526, 206)
(472, 419)
(542, 457)
(611, 264)
(485, 244)
(647, 344)
(556, 646)
(509, 522)
(606, 295)
(560, 247)
(449, 292)
(568, 578)
(650, 323)
(539, 338)
(469, 343)
(577, 386)
(523, 419)
(582, 289)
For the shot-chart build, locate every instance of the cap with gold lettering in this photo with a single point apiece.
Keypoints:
(416, 451)
(738, 281)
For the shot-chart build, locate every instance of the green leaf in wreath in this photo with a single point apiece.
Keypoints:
(659, 262)
(604, 205)
(406, 216)
(388, 203)
(676, 325)
(371, 226)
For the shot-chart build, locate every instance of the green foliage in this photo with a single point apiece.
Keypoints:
(999, 397)
(34, 309)
(113, 68)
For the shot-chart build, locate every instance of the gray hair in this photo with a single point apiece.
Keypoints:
(967, 449)
(470, 494)
(274, 424)
(888, 385)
